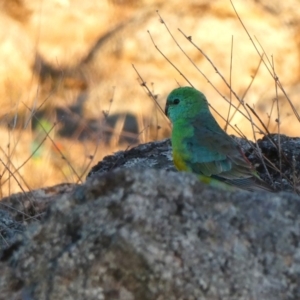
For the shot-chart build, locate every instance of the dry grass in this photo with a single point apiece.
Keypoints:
(29, 162)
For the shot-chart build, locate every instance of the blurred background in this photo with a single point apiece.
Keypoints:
(70, 96)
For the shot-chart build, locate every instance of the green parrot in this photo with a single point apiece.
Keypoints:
(201, 146)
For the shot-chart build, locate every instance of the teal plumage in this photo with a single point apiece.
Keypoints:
(201, 146)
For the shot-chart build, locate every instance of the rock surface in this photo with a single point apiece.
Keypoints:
(158, 235)
(21, 209)
(9, 229)
(138, 230)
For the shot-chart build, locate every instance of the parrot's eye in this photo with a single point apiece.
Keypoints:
(176, 101)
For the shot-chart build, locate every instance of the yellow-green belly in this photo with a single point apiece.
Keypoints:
(180, 153)
(179, 162)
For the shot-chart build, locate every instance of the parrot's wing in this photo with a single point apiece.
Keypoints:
(216, 153)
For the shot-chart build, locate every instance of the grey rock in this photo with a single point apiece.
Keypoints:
(154, 155)
(153, 234)
(9, 229)
(31, 206)
(21, 209)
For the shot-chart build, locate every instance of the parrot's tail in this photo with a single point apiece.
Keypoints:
(251, 184)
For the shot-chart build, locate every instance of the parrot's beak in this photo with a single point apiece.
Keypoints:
(166, 109)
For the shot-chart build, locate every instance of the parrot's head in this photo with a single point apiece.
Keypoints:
(185, 102)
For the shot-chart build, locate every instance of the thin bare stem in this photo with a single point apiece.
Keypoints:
(247, 90)
(248, 116)
(230, 84)
(21, 188)
(270, 114)
(79, 179)
(106, 112)
(278, 122)
(153, 97)
(269, 136)
(169, 60)
(32, 154)
(19, 211)
(274, 75)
